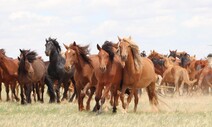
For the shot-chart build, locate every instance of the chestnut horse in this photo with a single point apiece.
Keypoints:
(138, 73)
(108, 74)
(31, 71)
(158, 62)
(84, 77)
(9, 67)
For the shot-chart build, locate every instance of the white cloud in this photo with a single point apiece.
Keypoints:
(198, 21)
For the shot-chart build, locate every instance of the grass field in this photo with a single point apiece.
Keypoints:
(184, 111)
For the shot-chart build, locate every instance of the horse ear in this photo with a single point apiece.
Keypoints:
(46, 40)
(98, 47)
(119, 38)
(74, 43)
(65, 46)
(19, 59)
(130, 37)
(20, 50)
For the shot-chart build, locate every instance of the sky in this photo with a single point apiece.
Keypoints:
(160, 25)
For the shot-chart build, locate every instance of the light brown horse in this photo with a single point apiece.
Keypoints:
(108, 74)
(31, 71)
(177, 75)
(138, 73)
(10, 73)
(84, 77)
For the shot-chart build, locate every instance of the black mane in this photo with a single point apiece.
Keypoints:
(108, 47)
(26, 55)
(56, 44)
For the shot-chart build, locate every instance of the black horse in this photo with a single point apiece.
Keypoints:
(56, 71)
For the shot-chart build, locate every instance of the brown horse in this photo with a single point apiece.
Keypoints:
(84, 77)
(138, 73)
(10, 73)
(31, 71)
(177, 75)
(205, 79)
(158, 62)
(108, 74)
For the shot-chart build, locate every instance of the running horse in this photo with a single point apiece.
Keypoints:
(158, 62)
(9, 68)
(138, 73)
(77, 56)
(109, 74)
(56, 70)
(31, 71)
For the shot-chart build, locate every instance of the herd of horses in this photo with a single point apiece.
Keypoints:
(118, 69)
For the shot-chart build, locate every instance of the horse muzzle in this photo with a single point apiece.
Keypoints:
(47, 53)
(124, 58)
(103, 68)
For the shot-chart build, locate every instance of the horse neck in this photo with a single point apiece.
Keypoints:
(9, 66)
(129, 64)
(79, 66)
(54, 56)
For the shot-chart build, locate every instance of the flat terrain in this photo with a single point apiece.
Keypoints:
(183, 111)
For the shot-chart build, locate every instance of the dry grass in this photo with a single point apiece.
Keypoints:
(184, 111)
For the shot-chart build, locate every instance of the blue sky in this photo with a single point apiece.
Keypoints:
(185, 25)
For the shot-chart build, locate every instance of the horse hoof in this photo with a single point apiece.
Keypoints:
(114, 110)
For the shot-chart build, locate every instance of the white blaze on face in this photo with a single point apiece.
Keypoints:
(63, 54)
(210, 62)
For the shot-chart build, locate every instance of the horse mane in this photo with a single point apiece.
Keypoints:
(2, 51)
(30, 56)
(135, 53)
(83, 51)
(108, 47)
(56, 44)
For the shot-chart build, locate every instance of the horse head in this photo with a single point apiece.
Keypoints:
(106, 54)
(70, 56)
(173, 53)
(124, 48)
(52, 46)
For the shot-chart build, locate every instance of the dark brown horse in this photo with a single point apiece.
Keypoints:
(158, 62)
(84, 77)
(138, 73)
(31, 71)
(109, 74)
(10, 72)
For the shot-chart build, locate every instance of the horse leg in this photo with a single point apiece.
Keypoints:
(136, 100)
(28, 92)
(7, 90)
(122, 95)
(75, 93)
(0, 90)
(42, 92)
(176, 82)
(98, 95)
(181, 88)
(152, 96)
(90, 97)
(13, 86)
(106, 91)
(66, 86)
(129, 99)
(34, 89)
(115, 103)
(50, 84)
(22, 94)
(38, 90)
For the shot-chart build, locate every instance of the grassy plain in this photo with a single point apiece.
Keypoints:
(183, 112)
